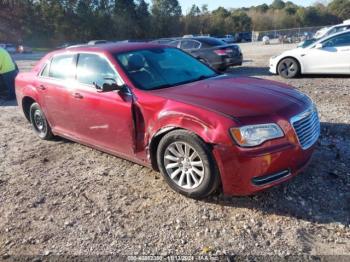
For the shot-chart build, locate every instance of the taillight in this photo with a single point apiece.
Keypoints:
(220, 52)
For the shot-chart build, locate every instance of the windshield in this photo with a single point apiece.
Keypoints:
(308, 42)
(162, 67)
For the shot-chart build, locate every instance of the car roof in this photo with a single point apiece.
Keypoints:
(120, 47)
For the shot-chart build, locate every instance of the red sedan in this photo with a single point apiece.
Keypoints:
(160, 107)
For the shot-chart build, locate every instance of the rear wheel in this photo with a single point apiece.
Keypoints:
(288, 68)
(39, 123)
(187, 165)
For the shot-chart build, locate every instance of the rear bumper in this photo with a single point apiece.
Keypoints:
(252, 171)
(228, 61)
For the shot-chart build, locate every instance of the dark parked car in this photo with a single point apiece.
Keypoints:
(163, 41)
(214, 52)
(158, 106)
(243, 37)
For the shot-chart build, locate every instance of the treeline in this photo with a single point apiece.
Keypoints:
(51, 22)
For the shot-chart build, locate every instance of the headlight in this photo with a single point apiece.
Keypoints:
(254, 135)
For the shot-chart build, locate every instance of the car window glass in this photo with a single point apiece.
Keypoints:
(189, 44)
(212, 41)
(62, 67)
(174, 43)
(340, 40)
(45, 71)
(93, 68)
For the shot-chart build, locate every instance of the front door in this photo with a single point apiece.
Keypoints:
(332, 58)
(101, 119)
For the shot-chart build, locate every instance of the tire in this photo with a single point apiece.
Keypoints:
(222, 68)
(39, 123)
(288, 68)
(197, 178)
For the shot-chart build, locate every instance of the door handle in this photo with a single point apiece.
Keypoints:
(77, 95)
(42, 87)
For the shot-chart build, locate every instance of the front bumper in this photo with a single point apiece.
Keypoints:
(273, 65)
(251, 171)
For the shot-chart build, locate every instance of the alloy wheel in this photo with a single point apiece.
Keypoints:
(184, 165)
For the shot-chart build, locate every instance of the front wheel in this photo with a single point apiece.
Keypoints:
(39, 123)
(187, 164)
(288, 68)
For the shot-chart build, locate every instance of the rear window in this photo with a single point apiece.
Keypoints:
(212, 41)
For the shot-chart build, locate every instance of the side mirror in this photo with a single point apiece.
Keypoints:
(319, 46)
(108, 86)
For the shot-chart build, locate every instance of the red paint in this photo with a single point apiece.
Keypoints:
(124, 125)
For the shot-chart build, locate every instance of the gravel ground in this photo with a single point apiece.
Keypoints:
(63, 198)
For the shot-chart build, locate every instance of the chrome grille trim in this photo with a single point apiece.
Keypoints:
(307, 127)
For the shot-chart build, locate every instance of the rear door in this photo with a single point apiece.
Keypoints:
(101, 119)
(54, 84)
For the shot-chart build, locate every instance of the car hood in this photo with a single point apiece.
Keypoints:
(238, 96)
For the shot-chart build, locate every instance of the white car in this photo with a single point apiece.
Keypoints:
(326, 31)
(329, 55)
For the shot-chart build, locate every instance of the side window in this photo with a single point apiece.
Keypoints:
(341, 40)
(63, 67)
(174, 43)
(189, 44)
(94, 69)
(45, 71)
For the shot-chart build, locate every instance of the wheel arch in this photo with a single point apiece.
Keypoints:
(157, 137)
(27, 101)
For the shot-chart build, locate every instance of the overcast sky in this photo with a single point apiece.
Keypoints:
(213, 4)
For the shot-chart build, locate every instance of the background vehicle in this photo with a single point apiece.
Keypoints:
(22, 49)
(212, 51)
(228, 39)
(243, 37)
(11, 48)
(266, 40)
(163, 41)
(327, 31)
(160, 107)
(329, 55)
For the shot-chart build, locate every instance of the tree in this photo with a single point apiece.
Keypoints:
(143, 18)
(166, 17)
(238, 21)
(340, 8)
(278, 4)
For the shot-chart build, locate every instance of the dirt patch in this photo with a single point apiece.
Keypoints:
(64, 198)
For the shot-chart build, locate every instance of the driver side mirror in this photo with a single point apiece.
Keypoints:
(108, 86)
(319, 46)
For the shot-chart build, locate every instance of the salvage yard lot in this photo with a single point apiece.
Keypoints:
(63, 198)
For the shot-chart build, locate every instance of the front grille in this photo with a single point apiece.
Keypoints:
(307, 127)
